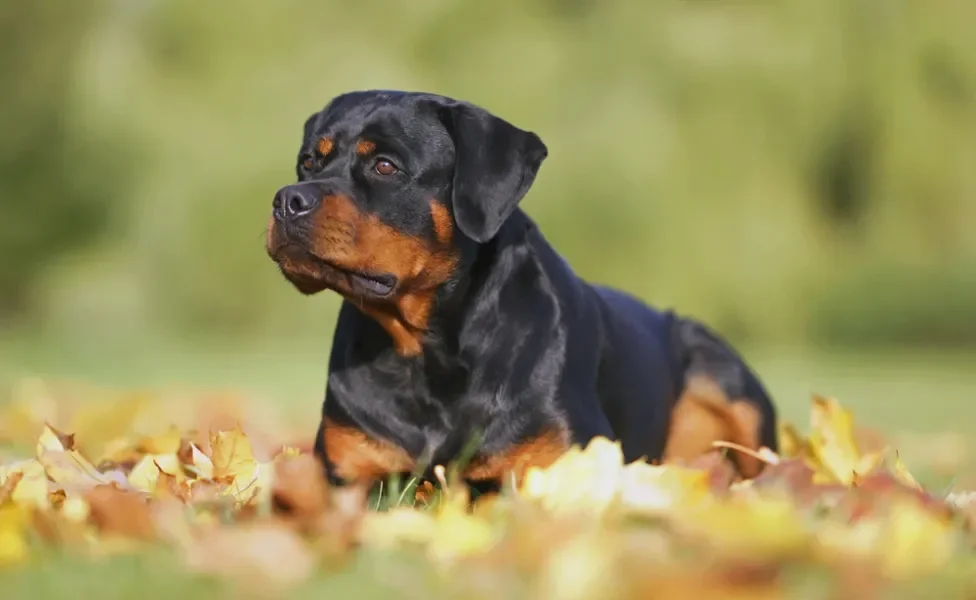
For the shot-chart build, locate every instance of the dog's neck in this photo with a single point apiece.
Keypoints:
(430, 324)
(458, 300)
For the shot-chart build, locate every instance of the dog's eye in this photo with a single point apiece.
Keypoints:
(309, 163)
(385, 167)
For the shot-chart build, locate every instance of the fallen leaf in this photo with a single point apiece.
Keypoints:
(31, 406)
(168, 442)
(145, 475)
(757, 526)
(300, 490)
(195, 461)
(585, 567)
(396, 527)
(52, 440)
(233, 459)
(458, 534)
(659, 489)
(791, 443)
(833, 444)
(13, 535)
(25, 483)
(8, 482)
(579, 479)
(266, 557)
(917, 541)
(120, 512)
(96, 425)
(903, 474)
(71, 471)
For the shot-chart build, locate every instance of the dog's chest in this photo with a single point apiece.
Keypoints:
(428, 410)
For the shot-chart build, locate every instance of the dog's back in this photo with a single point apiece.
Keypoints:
(655, 367)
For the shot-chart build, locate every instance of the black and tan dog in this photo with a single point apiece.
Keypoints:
(460, 320)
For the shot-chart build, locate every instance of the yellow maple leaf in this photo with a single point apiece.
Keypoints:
(232, 457)
(447, 534)
(234, 466)
(288, 452)
(832, 444)
(583, 568)
(902, 473)
(196, 462)
(791, 443)
(99, 424)
(917, 541)
(752, 525)
(71, 471)
(459, 533)
(145, 473)
(13, 538)
(397, 526)
(659, 488)
(31, 405)
(266, 558)
(31, 487)
(167, 442)
(52, 440)
(585, 479)
(844, 540)
(75, 509)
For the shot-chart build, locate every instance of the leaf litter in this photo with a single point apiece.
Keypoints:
(588, 526)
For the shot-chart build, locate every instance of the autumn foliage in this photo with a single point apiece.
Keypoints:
(256, 513)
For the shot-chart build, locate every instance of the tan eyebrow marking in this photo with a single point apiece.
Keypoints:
(364, 147)
(325, 146)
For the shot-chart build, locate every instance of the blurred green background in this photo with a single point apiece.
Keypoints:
(799, 174)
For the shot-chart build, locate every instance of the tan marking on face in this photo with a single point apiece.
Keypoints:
(269, 236)
(325, 146)
(443, 225)
(540, 451)
(702, 415)
(365, 147)
(360, 242)
(358, 457)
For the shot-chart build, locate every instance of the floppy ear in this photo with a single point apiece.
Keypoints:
(495, 165)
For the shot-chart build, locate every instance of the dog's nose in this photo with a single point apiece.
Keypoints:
(294, 201)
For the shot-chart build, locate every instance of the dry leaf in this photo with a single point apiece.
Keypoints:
(659, 489)
(579, 479)
(833, 444)
(756, 526)
(195, 461)
(120, 512)
(266, 556)
(145, 475)
(233, 459)
(300, 490)
(13, 536)
(25, 483)
(52, 440)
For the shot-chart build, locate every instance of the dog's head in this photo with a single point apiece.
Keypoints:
(391, 186)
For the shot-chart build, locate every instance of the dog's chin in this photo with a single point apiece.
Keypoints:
(308, 286)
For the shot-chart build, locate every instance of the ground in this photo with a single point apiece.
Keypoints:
(921, 404)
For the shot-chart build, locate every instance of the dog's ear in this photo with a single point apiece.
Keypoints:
(495, 165)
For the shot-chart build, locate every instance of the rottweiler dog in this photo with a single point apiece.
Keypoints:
(459, 321)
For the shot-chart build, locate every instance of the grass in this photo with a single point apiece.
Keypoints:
(894, 392)
(898, 390)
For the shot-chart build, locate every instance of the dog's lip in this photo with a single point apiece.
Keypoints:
(377, 285)
(374, 284)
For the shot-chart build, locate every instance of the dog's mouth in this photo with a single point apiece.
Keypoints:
(315, 273)
(355, 282)
(373, 284)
